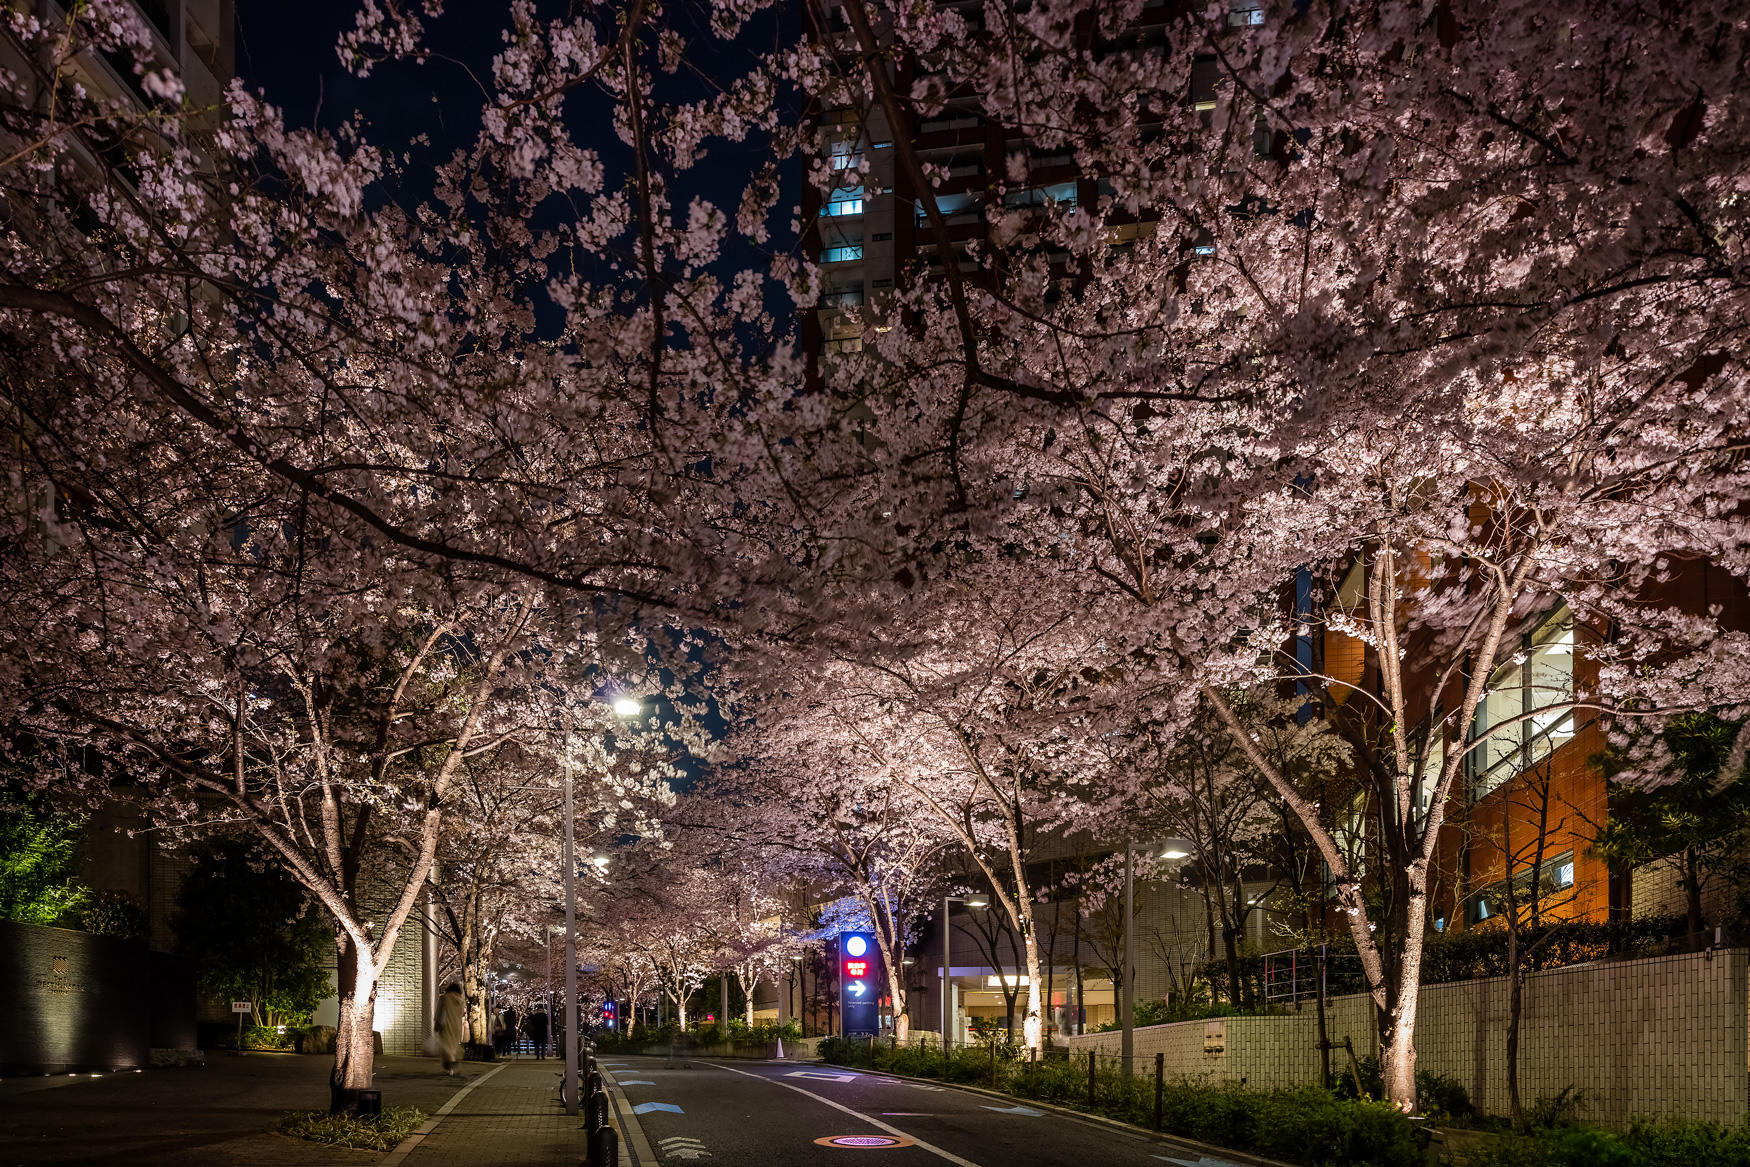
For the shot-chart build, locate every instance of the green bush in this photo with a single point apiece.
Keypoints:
(1303, 1126)
(383, 1133)
(114, 913)
(1437, 1096)
(267, 1037)
(1676, 1142)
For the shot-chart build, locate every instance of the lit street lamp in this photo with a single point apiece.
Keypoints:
(974, 901)
(624, 706)
(1173, 849)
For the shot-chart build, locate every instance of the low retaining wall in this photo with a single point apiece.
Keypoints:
(803, 1049)
(1664, 1035)
(73, 1001)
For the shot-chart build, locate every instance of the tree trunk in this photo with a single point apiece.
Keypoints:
(1515, 1005)
(1078, 1022)
(1033, 1027)
(1231, 952)
(747, 988)
(1692, 897)
(354, 1043)
(1398, 1055)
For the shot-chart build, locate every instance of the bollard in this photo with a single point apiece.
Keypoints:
(593, 1083)
(1160, 1079)
(596, 1114)
(1090, 1079)
(604, 1147)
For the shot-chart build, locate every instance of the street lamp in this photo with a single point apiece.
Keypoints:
(972, 901)
(624, 706)
(1173, 849)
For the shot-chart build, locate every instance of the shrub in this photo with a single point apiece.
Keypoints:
(114, 913)
(1676, 1142)
(264, 1037)
(1437, 1096)
(1683, 1142)
(1304, 1126)
(382, 1133)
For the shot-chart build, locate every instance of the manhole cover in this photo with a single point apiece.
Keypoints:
(862, 1142)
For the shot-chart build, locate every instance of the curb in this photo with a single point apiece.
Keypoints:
(635, 1148)
(400, 1153)
(1139, 1132)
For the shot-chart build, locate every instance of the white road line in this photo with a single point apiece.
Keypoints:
(870, 1119)
(413, 1140)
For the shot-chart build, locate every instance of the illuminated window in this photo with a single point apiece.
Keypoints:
(848, 201)
(1557, 876)
(1528, 712)
(842, 254)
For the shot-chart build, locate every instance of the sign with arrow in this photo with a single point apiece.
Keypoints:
(859, 995)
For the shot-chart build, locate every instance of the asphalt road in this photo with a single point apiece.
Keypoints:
(770, 1114)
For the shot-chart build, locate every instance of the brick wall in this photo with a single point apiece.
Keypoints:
(1666, 1035)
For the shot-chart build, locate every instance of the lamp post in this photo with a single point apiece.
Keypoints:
(974, 901)
(1170, 849)
(624, 707)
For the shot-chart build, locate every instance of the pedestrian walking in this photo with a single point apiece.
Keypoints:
(510, 1031)
(535, 1025)
(451, 1025)
(498, 1034)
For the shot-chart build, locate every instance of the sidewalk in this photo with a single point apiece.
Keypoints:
(223, 1114)
(511, 1118)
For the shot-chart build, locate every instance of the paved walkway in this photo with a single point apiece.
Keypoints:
(222, 1114)
(509, 1118)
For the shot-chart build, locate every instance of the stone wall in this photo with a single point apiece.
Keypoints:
(73, 1001)
(1665, 1035)
(400, 1017)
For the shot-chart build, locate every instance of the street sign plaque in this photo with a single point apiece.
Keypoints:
(859, 983)
(242, 1007)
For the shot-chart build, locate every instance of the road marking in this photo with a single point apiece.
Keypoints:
(400, 1153)
(649, 1107)
(863, 1142)
(1028, 1111)
(635, 1148)
(683, 1147)
(906, 1113)
(819, 1076)
(636, 1082)
(868, 1118)
(1202, 1161)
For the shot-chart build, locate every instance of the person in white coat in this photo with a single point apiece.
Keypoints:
(451, 1027)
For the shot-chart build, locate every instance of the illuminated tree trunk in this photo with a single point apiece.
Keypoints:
(355, 1047)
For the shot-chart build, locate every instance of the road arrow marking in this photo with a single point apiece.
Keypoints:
(683, 1147)
(648, 1107)
(821, 1077)
(635, 1082)
(1022, 1110)
(1200, 1161)
(857, 989)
